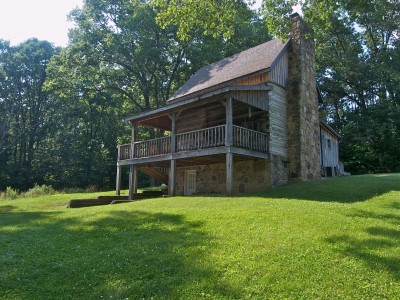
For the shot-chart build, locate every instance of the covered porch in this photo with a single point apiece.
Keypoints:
(220, 129)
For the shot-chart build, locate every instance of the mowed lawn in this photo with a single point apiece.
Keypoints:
(332, 239)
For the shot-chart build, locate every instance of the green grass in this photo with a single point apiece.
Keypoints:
(332, 239)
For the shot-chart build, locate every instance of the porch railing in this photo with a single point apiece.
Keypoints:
(124, 152)
(250, 139)
(200, 139)
(153, 147)
(197, 139)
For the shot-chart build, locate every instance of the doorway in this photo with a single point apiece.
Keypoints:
(190, 182)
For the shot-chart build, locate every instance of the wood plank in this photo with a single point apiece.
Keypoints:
(173, 132)
(229, 173)
(172, 178)
(229, 123)
(132, 180)
(118, 181)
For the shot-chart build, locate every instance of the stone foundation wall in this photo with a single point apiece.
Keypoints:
(248, 176)
(279, 170)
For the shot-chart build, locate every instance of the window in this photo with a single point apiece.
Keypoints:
(285, 164)
(328, 143)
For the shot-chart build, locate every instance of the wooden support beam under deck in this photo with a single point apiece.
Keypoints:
(229, 173)
(118, 181)
(172, 178)
(133, 177)
(173, 118)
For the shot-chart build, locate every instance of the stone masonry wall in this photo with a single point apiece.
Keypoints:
(303, 119)
(279, 170)
(248, 176)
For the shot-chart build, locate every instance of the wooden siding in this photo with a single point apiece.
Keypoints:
(201, 117)
(278, 121)
(329, 149)
(279, 72)
(257, 99)
(254, 80)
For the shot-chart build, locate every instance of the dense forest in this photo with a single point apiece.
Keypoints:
(61, 108)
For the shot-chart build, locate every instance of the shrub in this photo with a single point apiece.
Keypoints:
(91, 189)
(39, 190)
(73, 190)
(10, 193)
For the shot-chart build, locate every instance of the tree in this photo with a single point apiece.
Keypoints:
(24, 107)
(217, 18)
(357, 70)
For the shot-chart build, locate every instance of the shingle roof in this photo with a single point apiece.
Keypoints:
(246, 62)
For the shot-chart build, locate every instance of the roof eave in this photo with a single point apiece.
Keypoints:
(330, 129)
(170, 108)
(216, 87)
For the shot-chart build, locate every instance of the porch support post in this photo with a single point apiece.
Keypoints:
(229, 173)
(133, 140)
(133, 134)
(133, 176)
(229, 143)
(118, 181)
(172, 178)
(229, 122)
(172, 169)
(173, 118)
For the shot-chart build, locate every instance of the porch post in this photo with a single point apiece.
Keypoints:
(172, 169)
(172, 178)
(229, 173)
(229, 142)
(133, 176)
(133, 140)
(173, 132)
(118, 181)
(229, 123)
(133, 134)
(118, 177)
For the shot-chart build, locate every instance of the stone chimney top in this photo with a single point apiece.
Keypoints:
(294, 15)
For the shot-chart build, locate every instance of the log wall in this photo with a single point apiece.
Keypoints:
(278, 121)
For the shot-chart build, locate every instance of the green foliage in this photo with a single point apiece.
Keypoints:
(277, 13)
(310, 240)
(357, 46)
(24, 109)
(218, 18)
(9, 194)
(371, 140)
(39, 190)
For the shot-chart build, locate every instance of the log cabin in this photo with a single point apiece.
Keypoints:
(242, 124)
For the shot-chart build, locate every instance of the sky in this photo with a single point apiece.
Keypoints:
(43, 19)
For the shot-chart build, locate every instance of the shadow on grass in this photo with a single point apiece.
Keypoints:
(340, 189)
(6, 208)
(379, 250)
(117, 254)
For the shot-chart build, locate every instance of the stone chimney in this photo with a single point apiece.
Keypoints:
(303, 119)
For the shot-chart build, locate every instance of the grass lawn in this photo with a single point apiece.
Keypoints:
(333, 239)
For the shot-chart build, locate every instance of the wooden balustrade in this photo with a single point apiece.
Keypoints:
(125, 152)
(153, 147)
(250, 139)
(197, 139)
(200, 139)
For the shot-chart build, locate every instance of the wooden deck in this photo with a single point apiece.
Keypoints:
(213, 139)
